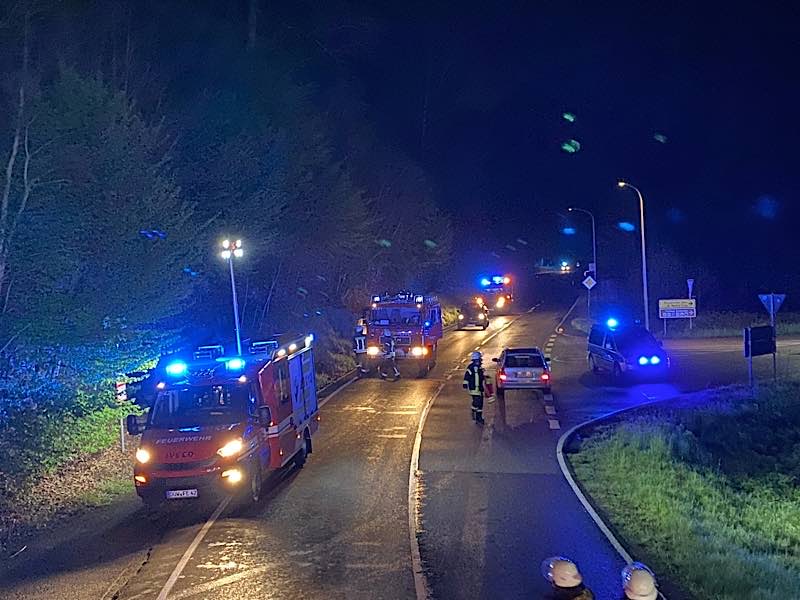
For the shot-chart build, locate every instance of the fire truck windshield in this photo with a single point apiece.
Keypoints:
(197, 406)
(396, 316)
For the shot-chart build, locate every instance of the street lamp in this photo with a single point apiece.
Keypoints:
(594, 255)
(623, 184)
(594, 238)
(231, 250)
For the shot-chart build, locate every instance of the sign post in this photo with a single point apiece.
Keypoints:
(589, 283)
(676, 309)
(758, 341)
(773, 303)
(690, 285)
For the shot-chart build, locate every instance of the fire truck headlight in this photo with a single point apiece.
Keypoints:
(460, 317)
(231, 448)
(419, 351)
(232, 475)
(142, 455)
(373, 351)
(501, 302)
(481, 317)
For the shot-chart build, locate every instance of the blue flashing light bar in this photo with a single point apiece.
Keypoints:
(376, 298)
(177, 368)
(485, 282)
(235, 364)
(643, 360)
(612, 323)
(654, 360)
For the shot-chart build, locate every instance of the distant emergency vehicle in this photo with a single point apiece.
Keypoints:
(497, 292)
(414, 322)
(220, 423)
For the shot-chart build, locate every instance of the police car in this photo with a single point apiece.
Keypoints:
(625, 349)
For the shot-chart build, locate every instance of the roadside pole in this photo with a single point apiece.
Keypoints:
(775, 333)
(690, 285)
(748, 352)
(773, 302)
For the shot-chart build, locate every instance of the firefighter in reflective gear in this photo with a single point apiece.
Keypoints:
(475, 383)
(638, 582)
(360, 343)
(566, 579)
(388, 355)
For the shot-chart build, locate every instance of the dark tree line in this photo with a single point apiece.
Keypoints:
(135, 136)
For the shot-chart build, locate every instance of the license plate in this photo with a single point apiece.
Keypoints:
(525, 375)
(175, 494)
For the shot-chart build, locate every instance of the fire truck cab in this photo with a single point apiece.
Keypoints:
(219, 424)
(415, 324)
(498, 294)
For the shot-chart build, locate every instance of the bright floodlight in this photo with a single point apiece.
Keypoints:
(226, 244)
(621, 184)
(238, 253)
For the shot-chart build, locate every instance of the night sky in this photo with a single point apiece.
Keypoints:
(718, 81)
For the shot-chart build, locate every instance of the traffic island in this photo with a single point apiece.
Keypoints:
(704, 488)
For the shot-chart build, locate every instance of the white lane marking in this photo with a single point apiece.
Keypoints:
(173, 578)
(399, 412)
(554, 424)
(550, 410)
(393, 436)
(562, 463)
(333, 395)
(420, 580)
(566, 316)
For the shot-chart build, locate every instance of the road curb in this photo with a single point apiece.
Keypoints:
(566, 471)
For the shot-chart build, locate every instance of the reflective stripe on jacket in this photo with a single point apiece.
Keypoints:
(474, 379)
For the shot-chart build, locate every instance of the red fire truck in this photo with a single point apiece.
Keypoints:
(219, 424)
(497, 293)
(415, 324)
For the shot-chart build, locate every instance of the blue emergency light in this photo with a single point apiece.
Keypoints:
(419, 299)
(612, 323)
(497, 279)
(177, 368)
(485, 282)
(376, 298)
(235, 364)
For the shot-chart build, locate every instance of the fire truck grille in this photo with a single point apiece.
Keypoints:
(187, 466)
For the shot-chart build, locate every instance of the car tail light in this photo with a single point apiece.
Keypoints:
(502, 375)
(545, 376)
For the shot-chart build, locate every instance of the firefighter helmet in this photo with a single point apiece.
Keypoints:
(639, 582)
(561, 572)
(476, 355)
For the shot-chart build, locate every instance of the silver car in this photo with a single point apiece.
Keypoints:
(522, 369)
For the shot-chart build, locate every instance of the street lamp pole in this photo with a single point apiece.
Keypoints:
(594, 254)
(623, 184)
(229, 251)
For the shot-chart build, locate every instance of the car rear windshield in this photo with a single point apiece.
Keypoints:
(530, 361)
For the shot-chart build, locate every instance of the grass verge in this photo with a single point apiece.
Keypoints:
(708, 492)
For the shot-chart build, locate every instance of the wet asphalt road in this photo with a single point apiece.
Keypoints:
(493, 502)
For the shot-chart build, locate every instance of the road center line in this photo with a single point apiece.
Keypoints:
(173, 578)
(420, 580)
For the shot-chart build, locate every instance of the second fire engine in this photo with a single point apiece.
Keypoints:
(414, 324)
